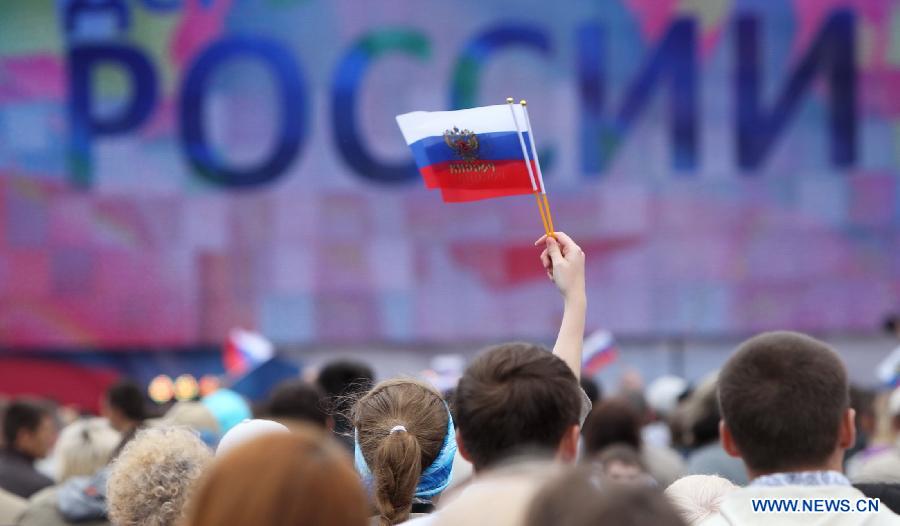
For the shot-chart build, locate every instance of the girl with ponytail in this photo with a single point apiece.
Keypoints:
(404, 447)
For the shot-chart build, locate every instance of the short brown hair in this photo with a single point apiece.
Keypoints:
(576, 498)
(515, 398)
(612, 421)
(397, 459)
(783, 396)
(282, 478)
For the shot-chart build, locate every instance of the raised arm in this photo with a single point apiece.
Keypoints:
(564, 261)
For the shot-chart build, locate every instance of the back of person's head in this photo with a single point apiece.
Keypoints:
(343, 382)
(622, 464)
(248, 431)
(893, 409)
(891, 324)
(83, 447)
(196, 416)
(126, 398)
(612, 421)
(578, 498)
(785, 403)
(301, 478)
(402, 427)
(515, 398)
(697, 497)
(700, 413)
(591, 388)
(294, 401)
(152, 479)
(862, 401)
(345, 377)
(28, 427)
(228, 408)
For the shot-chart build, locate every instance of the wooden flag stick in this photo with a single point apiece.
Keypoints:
(549, 217)
(540, 204)
(537, 165)
(534, 186)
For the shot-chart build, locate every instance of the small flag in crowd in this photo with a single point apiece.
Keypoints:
(246, 350)
(599, 351)
(477, 153)
(888, 370)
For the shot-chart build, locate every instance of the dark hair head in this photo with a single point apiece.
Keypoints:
(345, 377)
(783, 396)
(397, 458)
(612, 421)
(891, 323)
(591, 388)
(514, 398)
(578, 498)
(127, 397)
(22, 415)
(343, 382)
(700, 413)
(297, 400)
(862, 400)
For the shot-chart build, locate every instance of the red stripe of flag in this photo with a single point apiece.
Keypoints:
(504, 178)
(498, 175)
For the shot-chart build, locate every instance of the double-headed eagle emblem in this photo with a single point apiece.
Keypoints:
(463, 142)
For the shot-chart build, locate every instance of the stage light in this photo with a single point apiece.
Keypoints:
(161, 389)
(209, 384)
(186, 387)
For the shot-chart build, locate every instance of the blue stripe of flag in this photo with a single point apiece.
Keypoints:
(494, 146)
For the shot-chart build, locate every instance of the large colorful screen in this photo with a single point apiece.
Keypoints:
(170, 169)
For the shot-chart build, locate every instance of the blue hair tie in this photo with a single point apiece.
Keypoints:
(434, 479)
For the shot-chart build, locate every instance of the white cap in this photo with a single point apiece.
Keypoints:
(663, 393)
(247, 431)
(894, 403)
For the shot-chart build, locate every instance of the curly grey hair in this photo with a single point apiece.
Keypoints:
(151, 480)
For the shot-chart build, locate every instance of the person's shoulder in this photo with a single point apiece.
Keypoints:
(425, 520)
(11, 507)
(739, 507)
(881, 467)
(664, 464)
(37, 481)
(715, 519)
(46, 495)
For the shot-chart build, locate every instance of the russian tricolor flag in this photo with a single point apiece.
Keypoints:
(888, 371)
(245, 350)
(472, 154)
(599, 351)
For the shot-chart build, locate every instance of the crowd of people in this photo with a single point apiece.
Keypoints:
(522, 439)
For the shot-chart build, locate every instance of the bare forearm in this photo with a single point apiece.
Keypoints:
(570, 340)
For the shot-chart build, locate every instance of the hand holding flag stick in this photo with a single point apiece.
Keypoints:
(564, 262)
